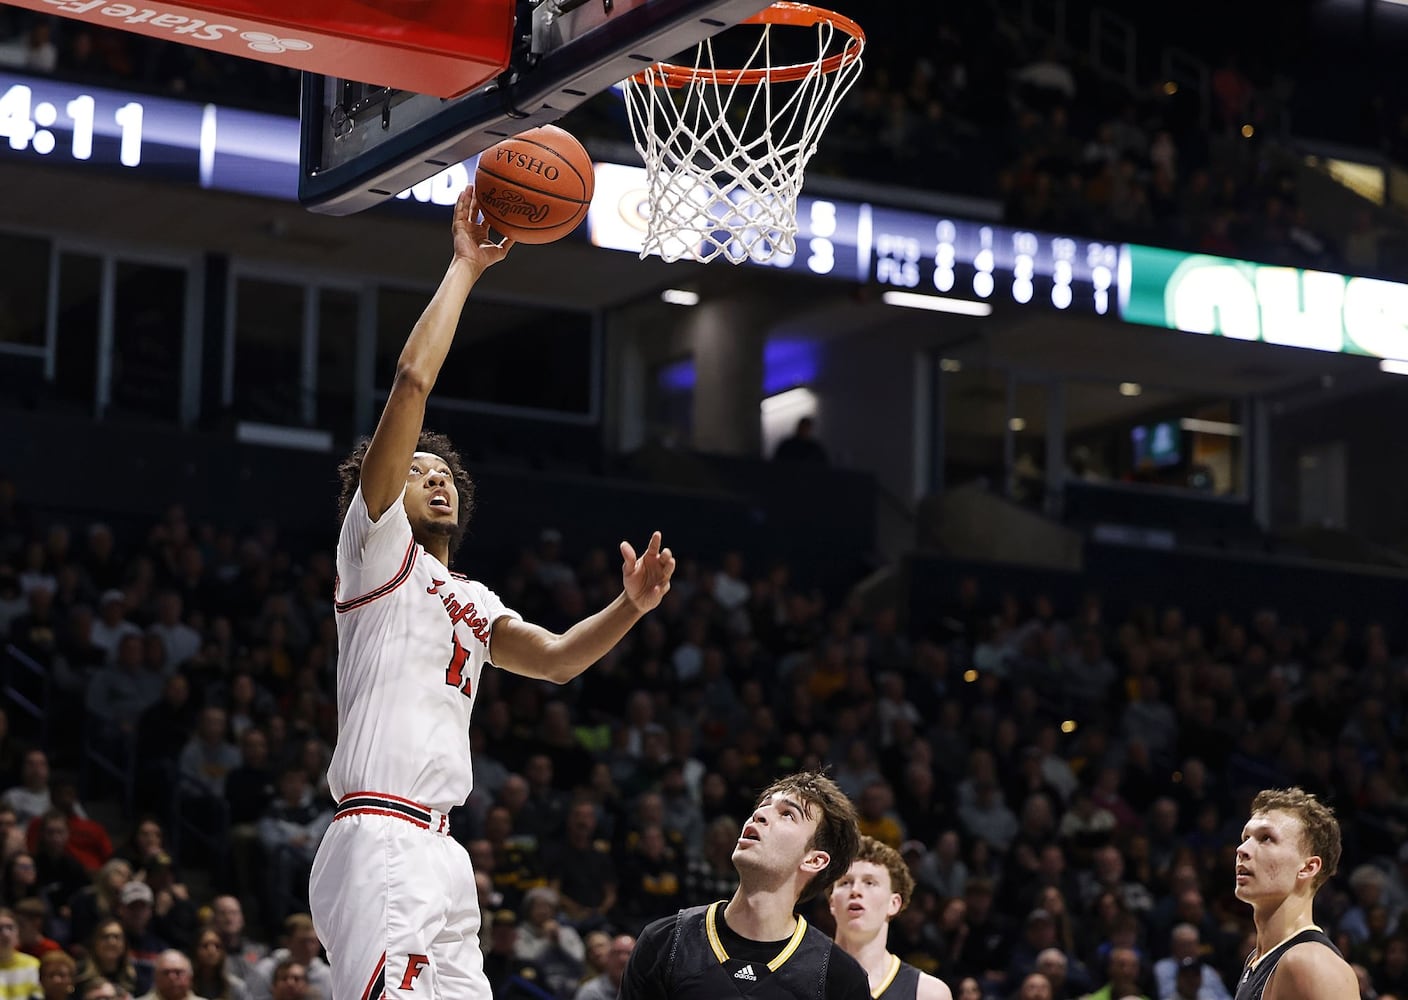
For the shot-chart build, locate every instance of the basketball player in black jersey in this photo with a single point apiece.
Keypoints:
(800, 839)
(873, 892)
(1290, 848)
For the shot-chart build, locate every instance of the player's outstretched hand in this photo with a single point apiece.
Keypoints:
(647, 578)
(471, 232)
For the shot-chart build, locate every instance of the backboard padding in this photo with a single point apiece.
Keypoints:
(395, 139)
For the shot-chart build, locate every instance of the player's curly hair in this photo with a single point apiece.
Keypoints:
(882, 854)
(836, 833)
(350, 472)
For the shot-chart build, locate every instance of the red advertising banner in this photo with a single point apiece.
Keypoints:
(439, 47)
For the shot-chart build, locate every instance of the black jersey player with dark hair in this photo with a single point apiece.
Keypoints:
(800, 839)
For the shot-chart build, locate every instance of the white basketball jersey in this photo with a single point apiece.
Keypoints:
(412, 639)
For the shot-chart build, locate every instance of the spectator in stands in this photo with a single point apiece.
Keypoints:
(88, 840)
(1368, 883)
(802, 447)
(300, 944)
(545, 807)
(60, 874)
(212, 978)
(988, 817)
(19, 973)
(712, 875)
(172, 978)
(119, 695)
(1054, 964)
(502, 966)
(290, 832)
(607, 985)
(1122, 970)
(651, 879)
(135, 909)
(30, 799)
(227, 920)
(108, 959)
(174, 918)
(876, 816)
(112, 625)
(208, 757)
(36, 632)
(163, 733)
(581, 870)
(552, 945)
(98, 901)
(21, 878)
(30, 916)
(1185, 948)
(56, 972)
(179, 640)
(290, 981)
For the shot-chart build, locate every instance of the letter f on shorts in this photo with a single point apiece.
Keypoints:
(414, 963)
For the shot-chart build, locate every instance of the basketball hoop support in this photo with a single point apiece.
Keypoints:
(575, 54)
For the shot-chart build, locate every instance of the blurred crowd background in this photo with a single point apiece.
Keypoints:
(1068, 789)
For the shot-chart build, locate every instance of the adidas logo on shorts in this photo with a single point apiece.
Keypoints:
(746, 973)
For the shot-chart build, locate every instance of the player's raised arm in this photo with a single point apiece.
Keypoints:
(393, 444)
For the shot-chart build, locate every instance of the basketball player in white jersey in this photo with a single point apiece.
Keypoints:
(393, 897)
(1290, 848)
(875, 890)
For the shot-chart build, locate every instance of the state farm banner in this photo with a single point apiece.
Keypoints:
(439, 47)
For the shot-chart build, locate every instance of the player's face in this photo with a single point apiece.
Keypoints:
(862, 900)
(432, 502)
(1271, 857)
(777, 838)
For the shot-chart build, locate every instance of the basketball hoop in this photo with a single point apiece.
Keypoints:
(724, 149)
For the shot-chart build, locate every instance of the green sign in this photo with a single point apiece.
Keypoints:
(1197, 293)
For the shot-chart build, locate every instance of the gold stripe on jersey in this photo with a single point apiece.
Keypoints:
(712, 930)
(895, 964)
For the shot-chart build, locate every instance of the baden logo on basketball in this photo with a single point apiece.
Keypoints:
(512, 206)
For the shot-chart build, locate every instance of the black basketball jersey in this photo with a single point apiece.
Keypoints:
(1254, 978)
(902, 983)
(700, 969)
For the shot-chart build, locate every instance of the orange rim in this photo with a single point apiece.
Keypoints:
(786, 13)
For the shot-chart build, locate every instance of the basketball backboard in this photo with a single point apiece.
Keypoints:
(363, 143)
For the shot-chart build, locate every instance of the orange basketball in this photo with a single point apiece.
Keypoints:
(535, 186)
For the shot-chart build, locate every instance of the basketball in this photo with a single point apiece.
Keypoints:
(535, 186)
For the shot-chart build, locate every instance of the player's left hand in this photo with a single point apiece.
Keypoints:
(646, 579)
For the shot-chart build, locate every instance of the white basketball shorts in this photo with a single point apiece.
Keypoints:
(394, 904)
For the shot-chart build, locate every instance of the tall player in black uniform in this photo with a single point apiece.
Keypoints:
(800, 839)
(1290, 848)
(873, 892)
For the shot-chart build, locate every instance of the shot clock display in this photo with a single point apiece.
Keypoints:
(26, 123)
(181, 141)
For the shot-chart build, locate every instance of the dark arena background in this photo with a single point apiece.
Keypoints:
(1051, 497)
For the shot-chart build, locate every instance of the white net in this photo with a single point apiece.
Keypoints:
(725, 149)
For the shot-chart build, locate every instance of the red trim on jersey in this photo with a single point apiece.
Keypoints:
(460, 576)
(376, 976)
(366, 811)
(385, 795)
(342, 607)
